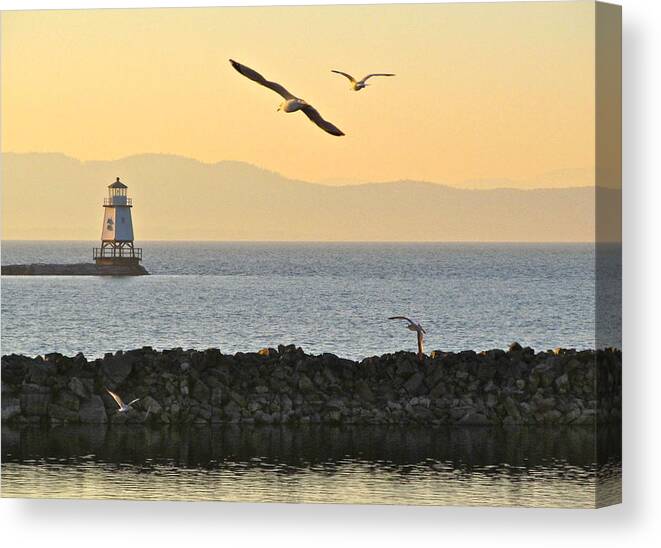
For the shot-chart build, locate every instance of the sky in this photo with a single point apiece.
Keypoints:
(483, 92)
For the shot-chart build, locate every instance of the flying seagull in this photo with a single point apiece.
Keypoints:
(291, 103)
(357, 85)
(123, 407)
(414, 326)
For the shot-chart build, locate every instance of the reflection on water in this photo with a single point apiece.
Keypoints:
(381, 465)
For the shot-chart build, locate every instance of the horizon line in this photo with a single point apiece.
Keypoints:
(538, 242)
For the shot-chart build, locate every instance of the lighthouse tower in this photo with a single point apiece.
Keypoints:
(117, 232)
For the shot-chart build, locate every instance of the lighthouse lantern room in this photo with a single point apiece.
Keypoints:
(117, 232)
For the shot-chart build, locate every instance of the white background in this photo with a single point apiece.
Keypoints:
(634, 523)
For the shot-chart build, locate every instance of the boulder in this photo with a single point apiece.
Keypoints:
(512, 409)
(68, 400)
(30, 388)
(116, 369)
(232, 410)
(11, 407)
(305, 385)
(62, 413)
(414, 383)
(93, 411)
(35, 404)
(38, 372)
(562, 382)
(201, 392)
(216, 396)
(491, 401)
(363, 391)
(78, 388)
(150, 403)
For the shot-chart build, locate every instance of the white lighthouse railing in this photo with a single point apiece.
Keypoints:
(117, 253)
(118, 201)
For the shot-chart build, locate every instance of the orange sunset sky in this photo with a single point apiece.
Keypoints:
(483, 91)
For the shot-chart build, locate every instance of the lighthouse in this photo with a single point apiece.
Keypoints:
(117, 231)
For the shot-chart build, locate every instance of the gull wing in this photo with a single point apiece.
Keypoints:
(117, 399)
(257, 77)
(312, 113)
(351, 78)
(402, 318)
(132, 402)
(375, 74)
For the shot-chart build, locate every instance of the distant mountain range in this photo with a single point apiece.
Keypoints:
(52, 196)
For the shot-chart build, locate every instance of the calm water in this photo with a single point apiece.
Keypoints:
(381, 465)
(323, 297)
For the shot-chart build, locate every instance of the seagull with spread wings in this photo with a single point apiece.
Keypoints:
(291, 103)
(357, 85)
(123, 407)
(415, 326)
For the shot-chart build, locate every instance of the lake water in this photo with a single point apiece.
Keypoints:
(324, 297)
(380, 465)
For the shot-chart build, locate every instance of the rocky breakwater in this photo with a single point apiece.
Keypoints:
(286, 385)
(74, 269)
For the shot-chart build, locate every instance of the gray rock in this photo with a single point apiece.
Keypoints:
(457, 413)
(552, 417)
(92, 411)
(62, 413)
(68, 400)
(217, 396)
(413, 383)
(545, 404)
(571, 416)
(30, 388)
(232, 410)
(492, 401)
(406, 367)
(285, 403)
(544, 374)
(489, 387)
(201, 392)
(38, 372)
(150, 403)
(363, 391)
(305, 385)
(334, 416)
(512, 409)
(562, 382)
(35, 404)
(475, 419)
(117, 369)
(11, 407)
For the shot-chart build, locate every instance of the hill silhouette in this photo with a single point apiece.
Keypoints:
(52, 196)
